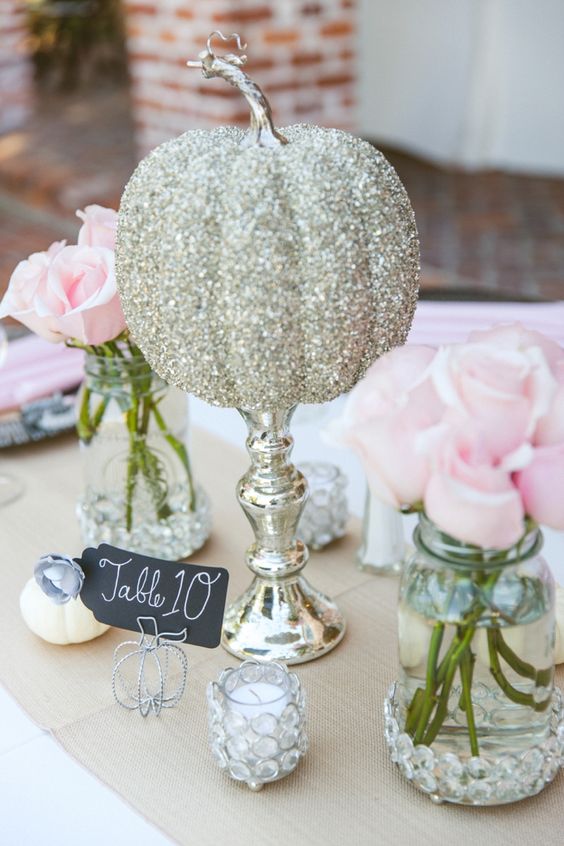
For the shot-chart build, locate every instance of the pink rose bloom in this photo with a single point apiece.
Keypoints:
(67, 293)
(99, 227)
(550, 428)
(390, 420)
(505, 390)
(385, 386)
(470, 498)
(542, 486)
(514, 336)
(28, 280)
(396, 451)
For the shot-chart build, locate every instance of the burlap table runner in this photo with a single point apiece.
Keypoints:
(345, 791)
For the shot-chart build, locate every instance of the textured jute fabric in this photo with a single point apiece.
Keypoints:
(345, 791)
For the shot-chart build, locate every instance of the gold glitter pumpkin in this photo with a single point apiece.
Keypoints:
(262, 269)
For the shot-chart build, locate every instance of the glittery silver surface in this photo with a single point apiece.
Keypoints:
(264, 277)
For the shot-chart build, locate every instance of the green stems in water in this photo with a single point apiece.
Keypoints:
(466, 674)
(431, 682)
(135, 395)
(428, 709)
(179, 449)
(494, 639)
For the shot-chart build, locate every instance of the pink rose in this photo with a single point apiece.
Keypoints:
(396, 451)
(67, 293)
(390, 421)
(514, 336)
(469, 497)
(28, 278)
(503, 389)
(99, 227)
(385, 385)
(550, 428)
(542, 485)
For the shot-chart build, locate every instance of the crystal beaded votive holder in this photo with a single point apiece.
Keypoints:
(324, 518)
(487, 779)
(256, 717)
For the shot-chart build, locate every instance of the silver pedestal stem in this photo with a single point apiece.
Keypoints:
(281, 617)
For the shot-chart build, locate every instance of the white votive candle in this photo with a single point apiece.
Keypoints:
(258, 698)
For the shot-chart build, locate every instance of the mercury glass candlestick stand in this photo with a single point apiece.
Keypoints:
(272, 271)
(281, 616)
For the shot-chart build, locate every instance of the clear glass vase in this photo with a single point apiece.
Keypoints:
(474, 717)
(139, 493)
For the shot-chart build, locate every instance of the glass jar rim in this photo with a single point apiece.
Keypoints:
(117, 370)
(455, 552)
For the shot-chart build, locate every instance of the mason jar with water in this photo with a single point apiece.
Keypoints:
(139, 491)
(474, 717)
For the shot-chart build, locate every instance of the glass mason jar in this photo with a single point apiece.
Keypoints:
(138, 488)
(474, 717)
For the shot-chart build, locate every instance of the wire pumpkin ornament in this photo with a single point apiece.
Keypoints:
(157, 656)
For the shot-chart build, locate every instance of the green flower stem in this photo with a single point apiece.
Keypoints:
(511, 692)
(87, 426)
(466, 634)
(180, 449)
(430, 681)
(466, 674)
(84, 424)
(540, 677)
(505, 651)
(132, 463)
(145, 415)
(142, 459)
(414, 710)
(544, 677)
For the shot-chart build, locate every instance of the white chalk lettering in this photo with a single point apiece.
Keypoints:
(175, 608)
(203, 579)
(145, 592)
(102, 563)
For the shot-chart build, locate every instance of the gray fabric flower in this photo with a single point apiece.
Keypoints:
(59, 577)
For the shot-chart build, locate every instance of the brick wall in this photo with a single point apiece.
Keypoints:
(301, 53)
(15, 66)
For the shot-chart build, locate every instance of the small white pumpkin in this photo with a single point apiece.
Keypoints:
(72, 622)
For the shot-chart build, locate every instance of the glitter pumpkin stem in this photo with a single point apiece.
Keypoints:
(262, 130)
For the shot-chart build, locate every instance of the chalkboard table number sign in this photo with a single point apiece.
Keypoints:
(166, 602)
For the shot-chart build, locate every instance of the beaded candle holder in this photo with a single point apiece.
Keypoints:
(257, 722)
(324, 518)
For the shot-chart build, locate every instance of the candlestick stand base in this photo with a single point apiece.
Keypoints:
(282, 621)
(281, 617)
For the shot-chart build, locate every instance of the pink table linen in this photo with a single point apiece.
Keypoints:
(34, 368)
(439, 323)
